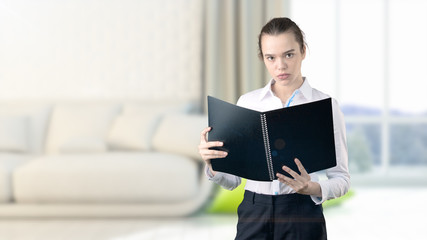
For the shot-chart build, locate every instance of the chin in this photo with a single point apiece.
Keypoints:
(283, 82)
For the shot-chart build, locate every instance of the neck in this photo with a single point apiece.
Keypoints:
(284, 92)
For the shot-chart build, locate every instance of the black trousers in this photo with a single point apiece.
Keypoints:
(290, 216)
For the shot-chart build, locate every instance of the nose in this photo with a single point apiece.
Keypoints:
(281, 63)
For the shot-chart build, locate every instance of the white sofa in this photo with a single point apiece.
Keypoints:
(100, 159)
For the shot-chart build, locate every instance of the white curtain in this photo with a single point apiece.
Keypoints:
(231, 65)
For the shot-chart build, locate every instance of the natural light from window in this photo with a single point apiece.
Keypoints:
(371, 56)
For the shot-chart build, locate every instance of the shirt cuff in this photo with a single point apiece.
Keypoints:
(211, 177)
(319, 200)
(208, 172)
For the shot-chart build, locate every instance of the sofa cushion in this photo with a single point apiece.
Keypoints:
(134, 128)
(116, 177)
(37, 113)
(83, 145)
(180, 134)
(80, 127)
(132, 132)
(157, 107)
(14, 133)
(8, 163)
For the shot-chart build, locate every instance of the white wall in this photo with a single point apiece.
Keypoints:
(100, 49)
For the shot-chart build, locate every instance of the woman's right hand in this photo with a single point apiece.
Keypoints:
(206, 153)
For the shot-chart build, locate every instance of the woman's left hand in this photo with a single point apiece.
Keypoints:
(301, 183)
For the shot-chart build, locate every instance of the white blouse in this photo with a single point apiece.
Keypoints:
(337, 180)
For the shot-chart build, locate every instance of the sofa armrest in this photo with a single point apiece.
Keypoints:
(180, 134)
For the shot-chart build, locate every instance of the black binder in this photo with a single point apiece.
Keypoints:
(260, 143)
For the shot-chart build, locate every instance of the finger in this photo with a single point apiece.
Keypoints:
(203, 134)
(294, 184)
(284, 179)
(207, 151)
(214, 144)
(300, 167)
(210, 154)
(291, 172)
(209, 145)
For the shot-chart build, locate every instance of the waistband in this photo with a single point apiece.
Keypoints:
(276, 199)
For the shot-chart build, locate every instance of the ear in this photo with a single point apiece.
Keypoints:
(304, 52)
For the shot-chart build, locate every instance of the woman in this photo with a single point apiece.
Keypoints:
(287, 208)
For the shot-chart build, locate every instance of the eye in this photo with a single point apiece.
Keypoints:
(289, 55)
(269, 58)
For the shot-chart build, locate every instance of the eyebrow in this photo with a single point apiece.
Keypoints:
(272, 55)
(289, 51)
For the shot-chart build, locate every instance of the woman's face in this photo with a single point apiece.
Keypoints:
(283, 58)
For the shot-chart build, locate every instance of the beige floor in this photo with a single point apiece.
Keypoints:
(373, 213)
(380, 213)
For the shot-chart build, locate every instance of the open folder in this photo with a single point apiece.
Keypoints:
(260, 143)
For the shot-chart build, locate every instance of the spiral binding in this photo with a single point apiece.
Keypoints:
(267, 146)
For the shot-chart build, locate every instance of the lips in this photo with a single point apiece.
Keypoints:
(283, 76)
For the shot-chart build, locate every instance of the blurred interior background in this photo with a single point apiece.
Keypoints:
(368, 54)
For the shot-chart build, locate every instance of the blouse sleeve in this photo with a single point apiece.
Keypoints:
(225, 180)
(338, 177)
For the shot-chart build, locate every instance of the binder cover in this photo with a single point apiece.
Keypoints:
(260, 143)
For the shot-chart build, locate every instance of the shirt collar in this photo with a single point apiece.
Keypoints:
(267, 90)
(306, 90)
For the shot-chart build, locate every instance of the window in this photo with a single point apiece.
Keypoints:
(371, 57)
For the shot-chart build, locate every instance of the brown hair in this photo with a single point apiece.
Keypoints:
(278, 26)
